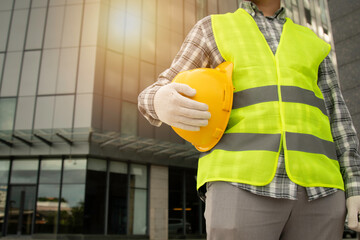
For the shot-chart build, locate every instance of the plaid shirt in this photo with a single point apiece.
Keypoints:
(199, 50)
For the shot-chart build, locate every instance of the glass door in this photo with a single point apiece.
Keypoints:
(21, 209)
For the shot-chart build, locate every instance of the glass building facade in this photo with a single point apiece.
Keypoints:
(76, 157)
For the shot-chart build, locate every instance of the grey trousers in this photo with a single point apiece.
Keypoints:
(235, 214)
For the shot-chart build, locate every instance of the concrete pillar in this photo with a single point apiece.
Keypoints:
(159, 203)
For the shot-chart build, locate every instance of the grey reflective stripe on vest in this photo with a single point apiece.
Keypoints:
(271, 142)
(249, 142)
(299, 95)
(255, 95)
(311, 144)
(270, 93)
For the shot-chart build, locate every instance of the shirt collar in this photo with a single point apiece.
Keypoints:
(252, 9)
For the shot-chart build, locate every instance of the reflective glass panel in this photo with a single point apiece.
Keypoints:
(63, 116)
(50, 171)
(29, 75)
(74, 171)
(4, 28)
(10, 81)
(44, 112)
(24, 113)
(95, 197)
(21, 209)
(83, 110)
(48, 72)
(6, 4)
(4, 171)
(138, 200)
(7, 111)
(24, 171)
(18, 30)
(72, 208)
(36, 28)
(67, 70)
(72, 23)
(131, 79)
(138, 176)
(129, 114)
(54, 24)
(47, 208)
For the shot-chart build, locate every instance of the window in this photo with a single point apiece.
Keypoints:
(44, 112)
(48, 198)
(117, 218)
(95, 194)
(184, 204)
(4, 28)
(24, 171)
(67, 70)
(129, 118)
(29, 75)
(24, 113)
(7, 112)
(64, 107)
(36, 28)
(72, 196)
(10, 81)
(138, 199)
(48, 73)
(18, 30)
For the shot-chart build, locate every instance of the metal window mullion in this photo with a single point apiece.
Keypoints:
(36, 194)
(128, 197)
(107, 197)
(60, 195)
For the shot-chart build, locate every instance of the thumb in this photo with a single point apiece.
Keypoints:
(184, 89)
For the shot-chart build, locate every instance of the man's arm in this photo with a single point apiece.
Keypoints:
(196, 51)
(343, 131)
(345, 138)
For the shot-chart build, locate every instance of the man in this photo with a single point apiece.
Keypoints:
(281, 177)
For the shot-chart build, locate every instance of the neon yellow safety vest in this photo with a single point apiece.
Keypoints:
(277, 105)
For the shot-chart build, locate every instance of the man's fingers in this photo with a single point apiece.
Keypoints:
(194, 114)
(186, 127)
(191, 104)
(192, 121)
(184, 89)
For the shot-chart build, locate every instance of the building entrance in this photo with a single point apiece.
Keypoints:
(21, 208)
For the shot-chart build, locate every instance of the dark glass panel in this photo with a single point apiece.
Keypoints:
(72, 208)
(21, 210)
(117, 218)
(94, 213)
(47, 208)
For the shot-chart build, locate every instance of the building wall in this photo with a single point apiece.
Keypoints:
(345, 21)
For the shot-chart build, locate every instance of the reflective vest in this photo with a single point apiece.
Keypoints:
(277, 105)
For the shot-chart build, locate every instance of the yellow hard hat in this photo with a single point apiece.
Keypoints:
(213, 87)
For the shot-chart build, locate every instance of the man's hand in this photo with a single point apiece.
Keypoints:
(353, 207)
(174, 108)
